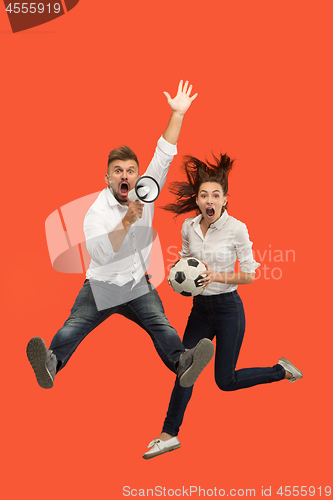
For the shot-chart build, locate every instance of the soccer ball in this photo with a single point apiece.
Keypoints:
(184, 276)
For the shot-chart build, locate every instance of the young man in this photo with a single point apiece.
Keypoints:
(118, 238)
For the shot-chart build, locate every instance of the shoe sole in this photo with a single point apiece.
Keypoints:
(286, 363)
(165, 450)
(202, 356)
(36, 352)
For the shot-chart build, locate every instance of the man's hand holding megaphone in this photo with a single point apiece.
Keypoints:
(134, 212)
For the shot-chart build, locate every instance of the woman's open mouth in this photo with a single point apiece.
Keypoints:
(123, 189)
(210, 212)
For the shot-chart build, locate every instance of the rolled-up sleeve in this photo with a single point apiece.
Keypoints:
(159, 165)
(97, 239)
(243, 247)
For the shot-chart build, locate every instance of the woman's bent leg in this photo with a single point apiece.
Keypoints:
(230, 327)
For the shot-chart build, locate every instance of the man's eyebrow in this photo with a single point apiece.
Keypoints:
(120, 166)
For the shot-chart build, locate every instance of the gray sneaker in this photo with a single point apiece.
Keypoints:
(288, 366)
(43, 362)
(193, 361)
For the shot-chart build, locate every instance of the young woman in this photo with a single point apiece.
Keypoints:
(217, 239)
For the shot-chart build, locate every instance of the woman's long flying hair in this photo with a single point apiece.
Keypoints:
(198, 172)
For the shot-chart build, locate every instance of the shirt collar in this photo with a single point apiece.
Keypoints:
(218, 224)
(111, 199)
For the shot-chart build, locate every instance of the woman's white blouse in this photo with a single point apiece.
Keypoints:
(225, 241)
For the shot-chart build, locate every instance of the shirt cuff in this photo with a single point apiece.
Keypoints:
(166, 147)
(249, 267)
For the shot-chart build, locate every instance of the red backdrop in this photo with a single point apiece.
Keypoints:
(87, 82)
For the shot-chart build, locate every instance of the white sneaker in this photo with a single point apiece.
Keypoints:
(159, 447)
(295, 372)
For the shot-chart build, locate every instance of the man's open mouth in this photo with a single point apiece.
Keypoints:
(210, 212)
(123, 189)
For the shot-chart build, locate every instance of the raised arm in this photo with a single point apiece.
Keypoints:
(179, 106)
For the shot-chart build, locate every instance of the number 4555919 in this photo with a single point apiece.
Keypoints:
(304, 491)
(32, 8)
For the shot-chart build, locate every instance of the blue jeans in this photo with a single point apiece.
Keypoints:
(146, 310)
(221, 316)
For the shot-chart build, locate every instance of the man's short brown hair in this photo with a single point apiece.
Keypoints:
(123, 153)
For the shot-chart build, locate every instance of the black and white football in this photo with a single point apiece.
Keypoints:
(185, 275)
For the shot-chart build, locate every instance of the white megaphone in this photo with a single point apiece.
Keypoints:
(146, 189)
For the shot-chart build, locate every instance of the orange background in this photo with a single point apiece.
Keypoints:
(72, 90)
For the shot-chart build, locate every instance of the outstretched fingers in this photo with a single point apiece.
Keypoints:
(180, 86)
(187, 90)
(167, 95)
(182, 101)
